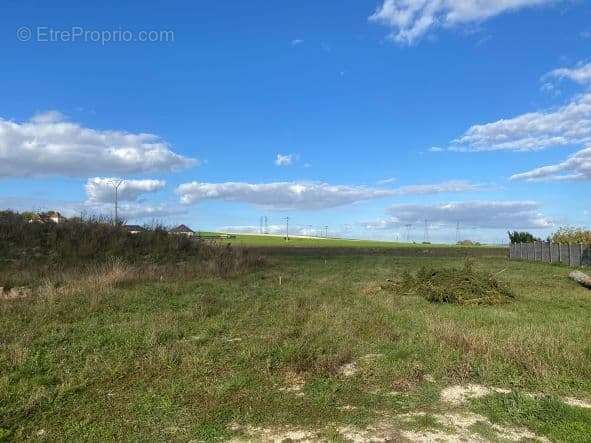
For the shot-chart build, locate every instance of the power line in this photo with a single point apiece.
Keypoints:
(116, 184)
(408, 228)
(287, 228)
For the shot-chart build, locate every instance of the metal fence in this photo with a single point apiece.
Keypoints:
(575, 255)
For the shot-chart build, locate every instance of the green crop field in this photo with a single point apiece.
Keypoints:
(295, 242)
(302, 347)
(272, 240)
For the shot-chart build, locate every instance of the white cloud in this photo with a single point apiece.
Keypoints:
(576, 167)
(284, 160)
(478, 214)
(48, 145)
(296, 230)
(134, 211)
(436, 149)
(549, 88)
(48, 117)
(249, 229)
(438, 188)
(580, 74)
(282, 195)
(39, 204)
(306, 195)
(272, 229)
(130, 211)
(412, 19)
(100, 197)
(296, 42)
(101, 190)
(387, 181)
(567, 125)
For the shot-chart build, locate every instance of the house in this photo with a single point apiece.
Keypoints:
(46, 217)
(183, 230)
(134, 229)
(53, 217)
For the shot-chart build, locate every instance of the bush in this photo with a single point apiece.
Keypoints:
(522, 237)
(572, 235)
(468, 243)
(77, 241)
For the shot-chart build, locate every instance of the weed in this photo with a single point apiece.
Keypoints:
(548, 415)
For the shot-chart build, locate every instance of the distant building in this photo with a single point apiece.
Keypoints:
(183, 230)
(54, 217)
(47, 217)
(134, 229)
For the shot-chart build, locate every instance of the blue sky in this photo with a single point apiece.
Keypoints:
(379, 115)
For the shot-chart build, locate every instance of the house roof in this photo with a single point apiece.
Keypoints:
(48, 216)
(182, 229)
(134, 228)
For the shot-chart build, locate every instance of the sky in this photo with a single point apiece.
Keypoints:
(380, 119)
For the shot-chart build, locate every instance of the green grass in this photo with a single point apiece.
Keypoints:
(187, 359)
(548, 415)
(272, 240)
(276, 241)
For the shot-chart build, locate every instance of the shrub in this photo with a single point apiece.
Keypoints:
(80, 241)
(572, 235)
(468, 243)
(522, 237)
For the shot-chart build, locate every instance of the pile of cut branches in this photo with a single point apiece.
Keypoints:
(465, 286)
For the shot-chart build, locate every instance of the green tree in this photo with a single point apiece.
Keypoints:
(521, 237)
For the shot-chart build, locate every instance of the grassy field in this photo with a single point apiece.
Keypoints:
(278, 241)
(305, 242)
(304, 347)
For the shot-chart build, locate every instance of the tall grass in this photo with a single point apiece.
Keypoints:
(82, 239)
(85, 248)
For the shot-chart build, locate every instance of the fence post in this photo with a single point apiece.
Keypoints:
(570, 255)
(550, 252)
(581, 254)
